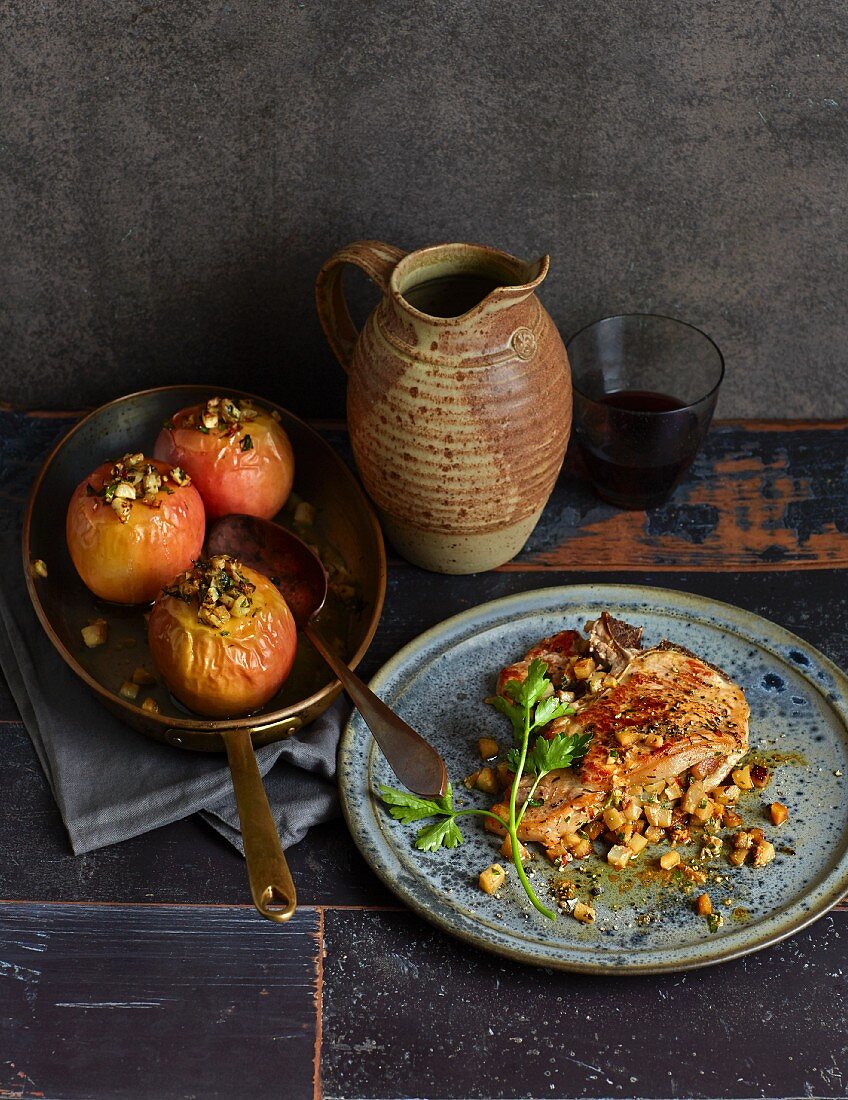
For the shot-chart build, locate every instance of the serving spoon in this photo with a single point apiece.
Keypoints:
(302, 579)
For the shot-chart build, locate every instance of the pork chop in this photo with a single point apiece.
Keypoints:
(669, 711)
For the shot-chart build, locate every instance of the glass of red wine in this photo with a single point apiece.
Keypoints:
(645, 388)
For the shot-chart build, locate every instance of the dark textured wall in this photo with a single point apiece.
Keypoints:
(175, 173)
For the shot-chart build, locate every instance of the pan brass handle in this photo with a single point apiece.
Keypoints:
(268, 873)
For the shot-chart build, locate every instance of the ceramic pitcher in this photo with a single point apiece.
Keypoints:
(458, 400)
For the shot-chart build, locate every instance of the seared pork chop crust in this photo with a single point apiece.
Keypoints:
(675, 712)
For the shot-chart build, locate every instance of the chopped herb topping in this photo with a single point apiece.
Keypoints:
(134, 479)
(222, 415)
(217, 588)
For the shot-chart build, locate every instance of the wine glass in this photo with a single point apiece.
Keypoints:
(645, 388)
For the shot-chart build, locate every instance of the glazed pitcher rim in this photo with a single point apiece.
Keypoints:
(417, 260)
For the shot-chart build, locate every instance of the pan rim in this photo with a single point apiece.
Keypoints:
(201, 725)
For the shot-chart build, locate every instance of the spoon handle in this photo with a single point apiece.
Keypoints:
(413, 760)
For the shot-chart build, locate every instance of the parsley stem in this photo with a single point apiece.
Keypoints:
(528, 798)
(513, 824)
(482, 813)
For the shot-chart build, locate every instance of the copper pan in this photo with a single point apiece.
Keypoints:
(345, 525)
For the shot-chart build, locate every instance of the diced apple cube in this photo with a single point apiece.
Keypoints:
(636, 843)
(660, 816)
(95, 633)
(505, 850)
(492, 878)
(584, 913)
(619, 856)
(488, 747)
(486, 781)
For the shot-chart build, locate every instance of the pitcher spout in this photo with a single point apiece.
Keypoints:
(524, 281)
(535, 274)
(532, 276)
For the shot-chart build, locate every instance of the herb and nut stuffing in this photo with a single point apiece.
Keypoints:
(135, 479)
(218, 588)
(222, 416)
(630, 755)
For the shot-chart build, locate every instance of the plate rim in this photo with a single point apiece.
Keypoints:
(397, 662)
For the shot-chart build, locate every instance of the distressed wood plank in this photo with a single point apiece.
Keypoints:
(758, 497)
(409, 1012)
(170, 1002)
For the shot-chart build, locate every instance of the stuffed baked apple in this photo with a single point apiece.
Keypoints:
(238, 456)
(223, 638)
(131, 526)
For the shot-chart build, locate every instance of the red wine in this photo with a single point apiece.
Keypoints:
(642, 401)
(633, 456)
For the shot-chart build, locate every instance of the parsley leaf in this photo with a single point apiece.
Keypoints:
(528, 695)
(406, 807)
(247, 443)
(512, 711)
(560, 752)
(549, 709)
(528, 692)
(441, 834)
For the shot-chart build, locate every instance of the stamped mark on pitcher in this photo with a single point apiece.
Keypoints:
(523, 343)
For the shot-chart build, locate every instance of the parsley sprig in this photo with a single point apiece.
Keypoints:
(406, 808)
(530, 706)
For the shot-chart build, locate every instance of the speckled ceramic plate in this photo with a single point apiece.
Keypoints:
(799, 724)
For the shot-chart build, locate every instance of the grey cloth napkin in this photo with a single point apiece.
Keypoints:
(111, 783)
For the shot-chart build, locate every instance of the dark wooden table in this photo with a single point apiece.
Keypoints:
(140, 970)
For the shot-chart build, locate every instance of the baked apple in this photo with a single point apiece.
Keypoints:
(131, 526)
(238, 456)
(222, 637)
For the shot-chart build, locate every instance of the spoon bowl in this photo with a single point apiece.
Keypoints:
(285, 559)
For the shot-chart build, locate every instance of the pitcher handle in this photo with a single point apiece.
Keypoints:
(377, 260)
